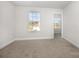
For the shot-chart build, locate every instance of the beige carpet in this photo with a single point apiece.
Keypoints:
(57, 48)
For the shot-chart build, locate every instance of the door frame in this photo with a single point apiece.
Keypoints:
(61, 24)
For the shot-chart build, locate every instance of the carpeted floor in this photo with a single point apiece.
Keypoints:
(49, 48)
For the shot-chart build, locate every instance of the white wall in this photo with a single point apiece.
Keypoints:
(7, 23)
(71, 23)
(15, 25)
(45, 22)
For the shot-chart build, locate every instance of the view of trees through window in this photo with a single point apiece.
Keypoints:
(34, 21)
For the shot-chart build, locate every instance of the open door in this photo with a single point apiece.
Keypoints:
(57, 25)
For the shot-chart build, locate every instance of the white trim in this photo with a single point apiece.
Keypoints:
(72, 42)
(34, 38)
(62, 26)
(6, 44)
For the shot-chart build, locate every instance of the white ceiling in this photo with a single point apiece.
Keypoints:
(48, 4)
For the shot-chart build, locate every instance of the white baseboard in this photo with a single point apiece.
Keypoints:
(72, 42)
(34, 38)
(6, 44)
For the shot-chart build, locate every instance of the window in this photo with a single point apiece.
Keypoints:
(34, 21)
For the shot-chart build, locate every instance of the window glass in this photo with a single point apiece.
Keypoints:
(34, 21)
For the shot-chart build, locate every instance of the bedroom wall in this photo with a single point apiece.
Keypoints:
(71, 23)
(7, 23)
(46, 31)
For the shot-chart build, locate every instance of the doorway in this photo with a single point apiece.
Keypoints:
(57, 26)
